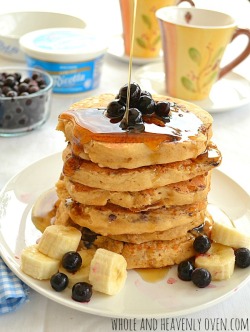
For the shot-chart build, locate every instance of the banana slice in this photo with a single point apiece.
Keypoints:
(87, 256)
(107, 271)
(219, 260)
(82, 275)
(38, 265)
(56, 240)
(225, 233)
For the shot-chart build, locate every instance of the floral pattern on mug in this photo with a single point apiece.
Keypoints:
(206, 73)
(149, 40)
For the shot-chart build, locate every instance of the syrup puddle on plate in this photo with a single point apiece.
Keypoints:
(153, 275)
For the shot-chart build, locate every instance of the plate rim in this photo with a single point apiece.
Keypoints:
(9, 257)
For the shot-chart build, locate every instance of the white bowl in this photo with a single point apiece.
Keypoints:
(16, 24)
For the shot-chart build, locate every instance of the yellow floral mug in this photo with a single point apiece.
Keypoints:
(194, 41)
(147, 38)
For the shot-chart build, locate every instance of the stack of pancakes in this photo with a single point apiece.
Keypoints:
(140, 195)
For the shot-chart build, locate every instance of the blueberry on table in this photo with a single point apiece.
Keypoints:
(72, 261)
(201, 277)
(59, 281)
(242, 257)
(202, 244)
(82, 292)
(185, 270)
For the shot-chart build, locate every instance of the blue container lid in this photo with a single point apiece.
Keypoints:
(63, 45)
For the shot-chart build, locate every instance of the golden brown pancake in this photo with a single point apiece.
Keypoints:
(115, 220)
(142, 178)
(180, 193)
(153, 254)
(188, 133)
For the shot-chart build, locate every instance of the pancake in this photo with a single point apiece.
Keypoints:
(115, 220)
(153, 254)
(180, 193)
(187, 135)
(142, 178)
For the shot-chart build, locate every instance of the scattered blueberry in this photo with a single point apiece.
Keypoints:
(72, 261)
(242, 257)
(59, 281)
(201, 277)
(185, 270)
(202, 244)
(82, 292)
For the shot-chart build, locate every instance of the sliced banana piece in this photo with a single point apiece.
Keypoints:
(87, 256)
(219, 260)
(82, 275)
(56, 240)
(108, 271)
(38, 265)
(224, 232)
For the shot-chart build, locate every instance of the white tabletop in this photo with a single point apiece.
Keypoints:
(231, 134)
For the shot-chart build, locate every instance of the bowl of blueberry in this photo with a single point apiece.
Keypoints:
(25, 95)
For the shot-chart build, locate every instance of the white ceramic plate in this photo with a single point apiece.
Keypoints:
(229, 93)
(116, 50)
(167, 298)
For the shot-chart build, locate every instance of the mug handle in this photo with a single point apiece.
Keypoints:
(189, 1)
(242, 56)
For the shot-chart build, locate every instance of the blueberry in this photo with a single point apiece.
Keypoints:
(59, 281)
(162, 108)
(135, 121)
(146, 93)
(72, 261)
(201, 277)
(23, 87)
(115, 109)
(202, 244)
(185, 270)
(242, 257)
(146, 105)
(135, 93)
(82, 292)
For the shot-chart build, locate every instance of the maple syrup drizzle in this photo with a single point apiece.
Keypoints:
(130, 61)
(92, 123)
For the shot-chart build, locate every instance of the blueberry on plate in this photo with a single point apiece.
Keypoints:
(202, 244)
(59, 281)
(72, 261)
(82, 292)
(201, 277)
(242, 257)
(185, 270)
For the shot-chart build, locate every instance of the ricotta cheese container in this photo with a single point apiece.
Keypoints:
(73, 57)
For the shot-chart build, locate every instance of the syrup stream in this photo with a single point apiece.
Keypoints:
(130, 62)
